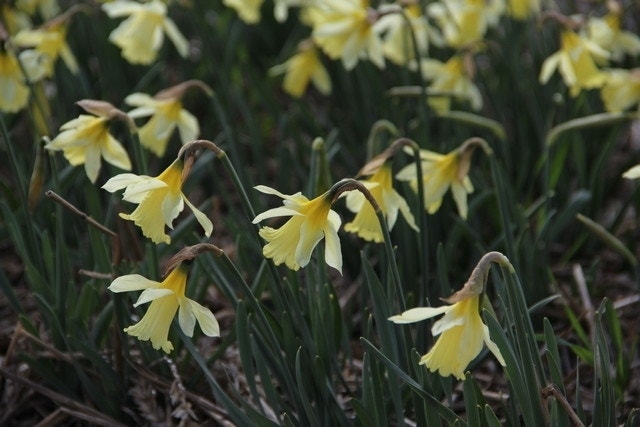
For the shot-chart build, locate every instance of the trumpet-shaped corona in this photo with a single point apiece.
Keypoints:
(141, 35)
(310, 222)
(366, 224)
(160, 200)
(167, 298)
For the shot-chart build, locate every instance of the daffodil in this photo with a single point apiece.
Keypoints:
(85, 139)
(167, 298)
(606, 33)
(45, 45)
(621, 89)
(13, 19)
(310, 222)
(366, 224)
(464, 22)
(47, 8)
(576, 62)
(462, 335)
(397, 36)
(523, 9)
(160, 199)
(450, 79)
(301, 69)
(441, 172)
(141, 35)
(247, 10)
(14, 93)
(167, 114)
(461, 329)
(344, 30)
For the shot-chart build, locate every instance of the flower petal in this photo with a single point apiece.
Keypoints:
(131, 282)
(419, 313)
(151, 294)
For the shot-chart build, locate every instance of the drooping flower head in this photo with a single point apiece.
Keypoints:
(443, 171)
(344, 30)
(464, 22)
(451, 79)
(167, 114)
(621, 89)
(380, 185)
(167, 298)
(141, 35)
(311, 221)
(461, 329)
(523, 9)
(160, 199)
(303, 68)
(85, 139)
(44, 45)
(607, 33)
(576, 61)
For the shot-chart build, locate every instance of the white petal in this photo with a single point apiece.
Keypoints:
(275, 212)
(492, 346)
(186, 317)
(131, 282)
(206, 320)
(150, 294)
(121, 181)
(332, 249)
(419, 313)
(204, 221)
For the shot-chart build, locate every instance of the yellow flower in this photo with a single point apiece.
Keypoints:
(576, 62)
(14, 93)
(606, 33)
(247, 10)
(47, 8)
(85, 139)
(311, 220)
(452, 78)
(439, 172)
(160, 200)
(47, 43)
(166, 114)
(397, 39)
(302, 68)
(166, 298)
(621, 89)
(366, 223)
(523, 9)
(462, 335)
(344, 30)
(465, 21)
(140, 36)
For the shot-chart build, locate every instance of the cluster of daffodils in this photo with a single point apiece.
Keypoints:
(312, 220)
(28, 54)
(401, 32)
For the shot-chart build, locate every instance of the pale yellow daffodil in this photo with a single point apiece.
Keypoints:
(397, 36)
(366, 224)
(461, 329)
(576, 63)
(160, 199)
(462, 335)
(606, 33)
(247, 10)
(310, 222)
(452, 79)
(301, 69)
(44, 45)
(47, 8)
(167, 114)
(14, 93)
(141, 35)
(621, 89)
(344, 30)
(85, 139)
(441, 172)
(464, 22)
(523, 9)
(167, 298)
